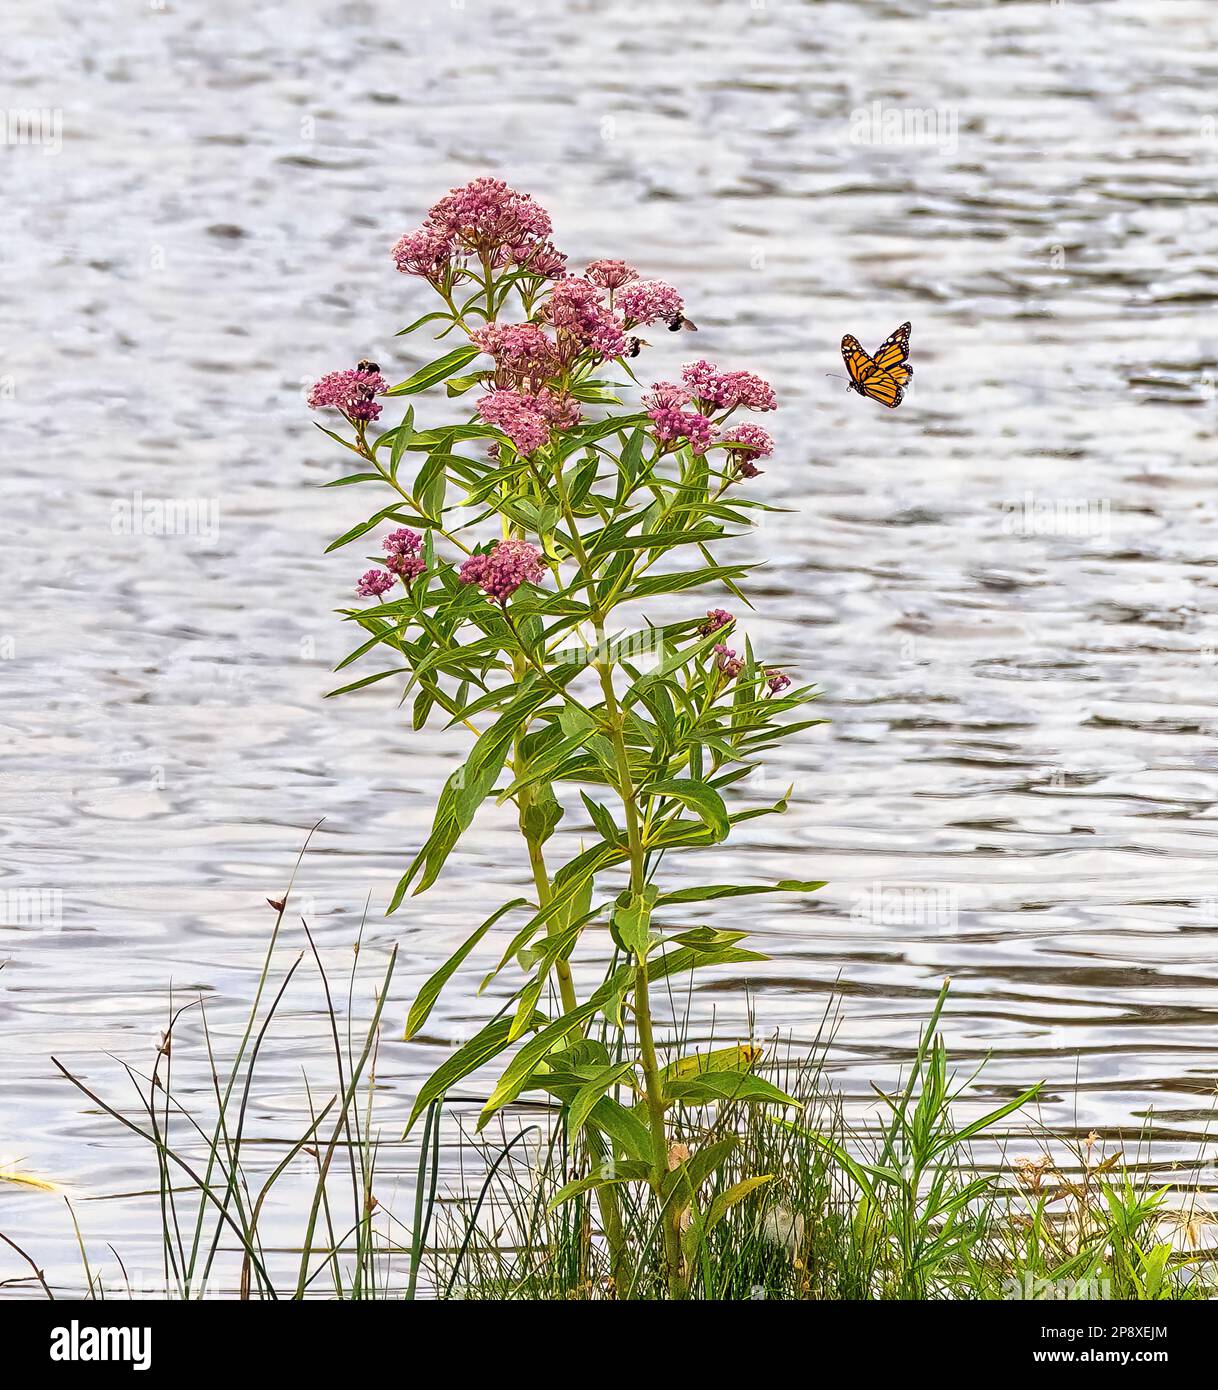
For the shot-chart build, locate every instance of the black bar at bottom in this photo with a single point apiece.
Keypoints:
(321, 1339)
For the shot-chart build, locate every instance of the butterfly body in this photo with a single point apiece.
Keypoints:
(884, 376)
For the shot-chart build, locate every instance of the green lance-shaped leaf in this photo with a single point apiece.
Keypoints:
(692, 833)
(582, 1052)
(706, 938)
(430, 486)
(564, 1085)
(623, 1171)
(607, 539)
(675, 658)
(726, 1086)
(402, 437)
(337, 438)
(542, 812)
(468, 787)
(572, 891)
(543, 749)
(687, 1177)
(381, 632)
(709, 1159)
(735, 890)
(667, 539)
(418, 323)
(579, 726)
(430, 992)
(690, 958)
(559, 940)
(725, 1201)
(354, 478)
(599, 429)
(687, 579)
(741, 1058)
(520, 1068)
(587, 1096)
(602, 818)
(525, 1062)
(459, 385)
(525, 1010)
(367, 680)
(557, 945)
(422, 707)
(581, 486)
(461, 794)
(442, 367)
(631, 459)
(701, 798)
(622, 1126)
(392, 513)
(595, 393)
(492, 1040)
(631, 921)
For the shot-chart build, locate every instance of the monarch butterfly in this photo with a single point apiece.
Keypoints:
(884, 376)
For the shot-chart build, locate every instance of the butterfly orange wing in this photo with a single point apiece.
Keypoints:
(884, 387)
(859, 364)
(894, 351)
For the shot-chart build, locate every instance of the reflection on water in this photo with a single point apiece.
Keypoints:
(1006, 587)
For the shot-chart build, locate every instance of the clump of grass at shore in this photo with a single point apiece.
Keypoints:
(794, 1203)
(903, 1209)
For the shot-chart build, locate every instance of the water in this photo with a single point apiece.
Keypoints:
(1006, 587)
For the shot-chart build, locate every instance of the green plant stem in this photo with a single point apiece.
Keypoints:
(366, 453)
(541, 880)
(607, 1197)
(620, 1264)
(652, 1079)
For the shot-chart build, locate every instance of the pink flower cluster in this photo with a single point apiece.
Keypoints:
(610, 275)
(540, 257)
(777, 681)
(503, 569)
(527, 419)
(351, 392)
(664, 404)
(729, 664)
(374, 584)
(576, 308)
(716, 618)
(562, 411)
(713, 389)
(485, 218)
(708, 390)
(486, 215)
(746, 444)
(651, 301)
(404, 550)
(524, 356)
(403, 557)
(426, 252)
(518, 415)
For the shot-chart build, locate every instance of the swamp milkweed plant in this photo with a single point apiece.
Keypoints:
(527, 552)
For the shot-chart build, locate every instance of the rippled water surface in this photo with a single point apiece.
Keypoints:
(1006, 587)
